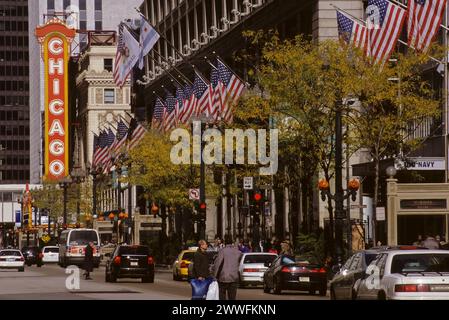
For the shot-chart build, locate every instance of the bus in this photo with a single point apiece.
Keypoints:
(72, 244)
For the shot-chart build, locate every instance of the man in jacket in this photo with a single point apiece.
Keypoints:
(89, 260)
(201, 262)
(226, 270)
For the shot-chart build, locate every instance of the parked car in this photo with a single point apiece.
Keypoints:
(127, 261)
(294, 273)
(12, 259)
(32, 255)
(50, 254)
(407, 275)
(342, 286)
(181, 265)
(252, 267)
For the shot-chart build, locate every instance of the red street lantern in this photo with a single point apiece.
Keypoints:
(354, 184)
(121, 215)
(323, 184)
(154, 209)
(111, 216)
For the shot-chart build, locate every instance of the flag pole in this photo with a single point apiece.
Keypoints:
(227, 66)
(405, 7)
(399, 40)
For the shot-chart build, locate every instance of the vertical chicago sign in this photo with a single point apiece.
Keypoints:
(55, 39)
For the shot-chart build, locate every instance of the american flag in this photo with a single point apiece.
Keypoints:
(120, 51)
(101, 151)
(202, 94)
(120, 136)
(424, 19)
(170, 116)
(216, 85)
(136, 133)
(385, 21)
(352, 31)
(107, 160)
(232, 88)
(96, 148)
(188, 108)
(158, 115)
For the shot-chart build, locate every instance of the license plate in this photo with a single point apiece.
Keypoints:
(304, 279)
(134, 264)
(10, 260)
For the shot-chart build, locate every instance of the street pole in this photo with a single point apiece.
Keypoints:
(94, 192)
(339, 212)
(129, 220)
(65, 203)
(202, 223)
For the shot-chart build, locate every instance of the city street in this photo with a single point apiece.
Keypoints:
(48, 282)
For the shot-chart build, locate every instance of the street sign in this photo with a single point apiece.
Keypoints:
(248, 183)
(380, 213)
(358, 206)
(194, 194)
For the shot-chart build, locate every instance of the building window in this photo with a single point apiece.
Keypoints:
(109, 96)
(98, 5)
(82, 4)
(108, 65)
(51, 4)
(66, 4)
(98, 25)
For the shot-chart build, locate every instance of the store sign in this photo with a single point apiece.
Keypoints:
(426, 204)
(55, 38)
(421, 164)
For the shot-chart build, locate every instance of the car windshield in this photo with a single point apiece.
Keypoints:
(137, 250)
(79, 238)
(259, 258)
(409, 263)
(10, 253)
(188, 256)
(51, 250)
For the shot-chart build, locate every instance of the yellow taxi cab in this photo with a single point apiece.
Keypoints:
(181, 264)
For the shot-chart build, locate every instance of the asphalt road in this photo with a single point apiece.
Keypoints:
(49, 283)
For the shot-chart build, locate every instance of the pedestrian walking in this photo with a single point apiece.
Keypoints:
(201, 262)
(88, 260)
(226, 270)
(286, 248)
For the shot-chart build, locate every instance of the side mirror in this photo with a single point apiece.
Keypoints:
(336, 268)
(267, 264)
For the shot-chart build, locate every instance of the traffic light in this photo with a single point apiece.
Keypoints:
(202, 210)
(257, 200)
(26, 220)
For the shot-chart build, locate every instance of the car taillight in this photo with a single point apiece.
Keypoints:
(183, 264)
(318, 270)
(412, 288)
(251, 270)
(150, 260)
(117, 260)
(286, 269)
(22, 259)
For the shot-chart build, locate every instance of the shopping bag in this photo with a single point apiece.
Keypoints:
(200, 288)
(212, 292)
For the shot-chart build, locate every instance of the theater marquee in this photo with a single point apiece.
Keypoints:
(55, 38)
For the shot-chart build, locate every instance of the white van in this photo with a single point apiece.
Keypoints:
(72, 245)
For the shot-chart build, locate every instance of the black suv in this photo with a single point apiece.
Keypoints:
(32, 255)
(130, 261)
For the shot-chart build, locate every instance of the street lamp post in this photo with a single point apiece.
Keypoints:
(78, 176)
(64, 183)
(339, 195)
(93, 172)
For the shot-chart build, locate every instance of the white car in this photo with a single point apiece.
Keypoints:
(253, 266)
(50, 254)
(407, 275)
(12, 259)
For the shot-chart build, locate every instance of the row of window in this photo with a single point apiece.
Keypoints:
(14, 11)
(15, 175)
(14, 85)
(13, 55)
(13, 25)
(14, 131)
(83, 26)
(98, 4)
(15, 145)
(15, 161)
(14, 100)
(14, 41)
(14, 115)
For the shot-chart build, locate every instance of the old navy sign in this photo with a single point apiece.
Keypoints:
(421, 164)
(55, 38)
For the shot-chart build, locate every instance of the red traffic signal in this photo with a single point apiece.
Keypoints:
(257, 196)
(202, 206)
